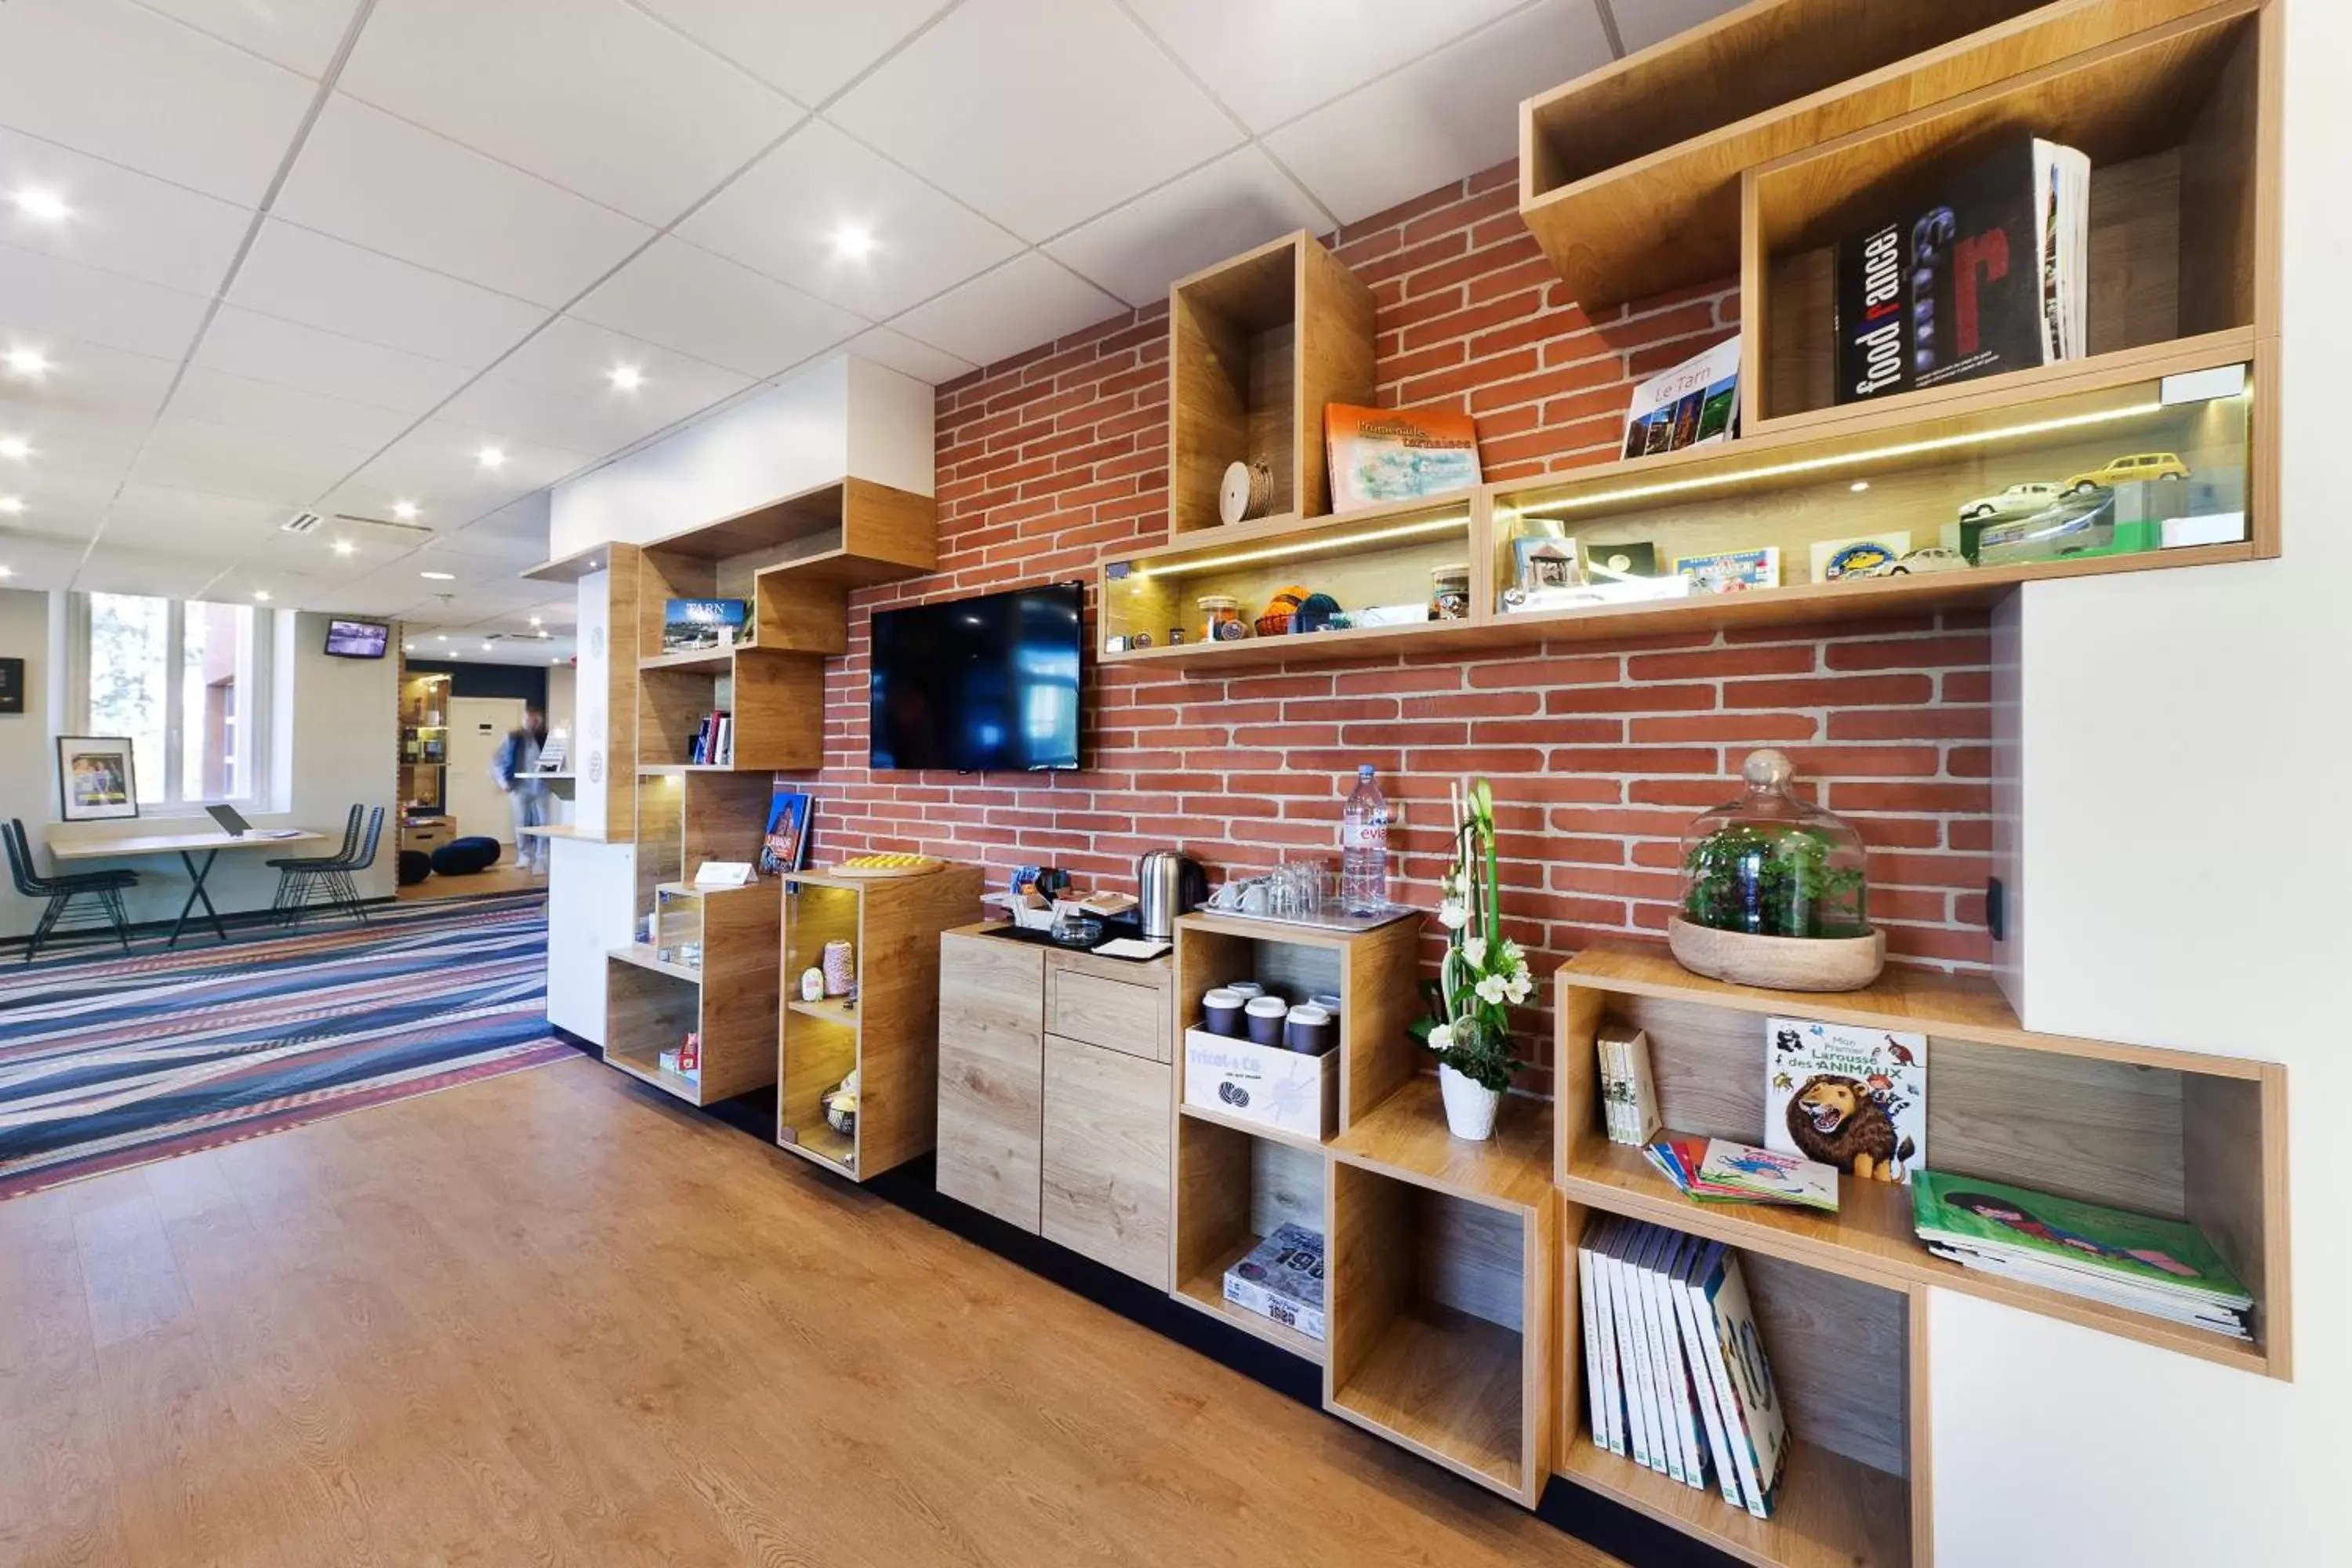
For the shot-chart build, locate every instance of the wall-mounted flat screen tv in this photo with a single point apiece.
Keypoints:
(357, 639)
(985, 685)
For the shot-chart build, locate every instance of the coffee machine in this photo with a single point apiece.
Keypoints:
(1168, 883)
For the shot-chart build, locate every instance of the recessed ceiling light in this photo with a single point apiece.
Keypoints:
(408, 648)
(345, 547)
(1859, 486)
(443, 637)
(853, 242)
(626, 377)
(491, 457)
(405, 511)
(12, 505)
(534, 620)
(7, 571)
(438, 576)
(16, 449)
(262, 594)
(557, 660)
(29, 361)
(486, 647)
(42, 206)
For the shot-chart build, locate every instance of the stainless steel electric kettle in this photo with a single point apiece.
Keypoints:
(1167, 883)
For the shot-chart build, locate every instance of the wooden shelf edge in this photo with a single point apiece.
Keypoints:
(826, 1012)
(817, 1157)
(1298, 1141)
(668, 1083)
(641, 955)
(1829, 1482)
(700, 661)
(1512, 1171)
(1733, 1227)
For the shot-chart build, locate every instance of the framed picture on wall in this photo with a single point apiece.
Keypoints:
(12, 685)
(786, 845)
(95, 783)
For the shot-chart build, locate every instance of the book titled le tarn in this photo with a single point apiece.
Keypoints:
(1987, 274)
(692, 623)
(1692, 404)
(1282, 1278)
(1381, 454)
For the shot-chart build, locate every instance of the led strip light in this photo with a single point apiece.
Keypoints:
(1306, 547)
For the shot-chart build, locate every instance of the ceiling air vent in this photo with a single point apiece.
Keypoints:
(303, 522)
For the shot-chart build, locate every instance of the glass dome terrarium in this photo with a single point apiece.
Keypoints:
(1774, 891)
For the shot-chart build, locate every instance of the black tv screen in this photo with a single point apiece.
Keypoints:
(981, 685)
(357, 639)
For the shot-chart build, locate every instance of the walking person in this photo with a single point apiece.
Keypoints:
(514, 770)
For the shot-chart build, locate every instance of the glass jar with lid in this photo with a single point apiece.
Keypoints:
(1221, 617)
(1769, 864)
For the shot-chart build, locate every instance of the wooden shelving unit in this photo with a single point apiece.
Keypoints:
(728, 997)
(1842, 1298)
(889, 1035)
(1257, 346)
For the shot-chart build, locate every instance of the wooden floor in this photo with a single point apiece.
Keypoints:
(552, 1319)
(502, 878)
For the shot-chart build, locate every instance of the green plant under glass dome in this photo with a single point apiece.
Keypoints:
(1769, 864)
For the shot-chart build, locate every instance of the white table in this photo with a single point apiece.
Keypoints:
(186, 846)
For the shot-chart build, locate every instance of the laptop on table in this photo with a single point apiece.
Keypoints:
(233, 824)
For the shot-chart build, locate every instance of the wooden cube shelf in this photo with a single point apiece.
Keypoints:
(2174, 1134)
(1848, 1365)
(1629, 176)
(889, 1035)
(686, 817)
(1258, 346)
(729, 998)
(2171, 121)
(1444, 1332)
(1234, 1185)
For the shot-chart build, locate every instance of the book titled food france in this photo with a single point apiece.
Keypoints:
(1987, 275)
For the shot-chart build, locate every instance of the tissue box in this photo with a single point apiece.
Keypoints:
(1264, 1084)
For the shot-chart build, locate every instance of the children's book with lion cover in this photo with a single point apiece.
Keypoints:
(1851, 1098)
(1381, 454)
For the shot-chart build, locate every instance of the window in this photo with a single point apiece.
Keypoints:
(184, 680)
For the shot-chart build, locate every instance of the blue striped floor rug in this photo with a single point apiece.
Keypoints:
(110, 1061)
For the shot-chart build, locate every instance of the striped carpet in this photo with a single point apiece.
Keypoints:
(108, 1061)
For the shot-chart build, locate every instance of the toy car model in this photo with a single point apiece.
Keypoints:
(2121, 471)
(2018, 500)
(2078, 525)
(1934, 558)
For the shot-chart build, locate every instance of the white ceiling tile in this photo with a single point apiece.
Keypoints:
(307, 416)
(119, 219)
(905, 356)
(383, 183)
(301, 34)
(783, 215)
(1447, 115)
(1237, 203)
(42, 294)
(66, 442)
(1271, 63)
(437, 466)
(810, 49)
(45, 565)
(600, 99)
(304, 277)
(167, 575)
(1028, 301)
(684, 298)
(265, 348)
(1039, 115)
(57, 502)
(84, 381)
(119, 81)
(163, 517)
(1641, 22)
(558, 389)
(220, 459)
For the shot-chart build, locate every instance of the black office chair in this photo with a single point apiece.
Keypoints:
(102, 887)
(333, 877)
(292, 869)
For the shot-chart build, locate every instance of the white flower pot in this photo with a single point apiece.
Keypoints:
(1470, 1106)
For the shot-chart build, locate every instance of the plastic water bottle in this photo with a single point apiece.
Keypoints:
(1364, 848)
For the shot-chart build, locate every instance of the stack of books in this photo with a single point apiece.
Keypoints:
(1629, 1091)
(2161, 1267)
(1281, 1278)
(1675, 1374)
(714, 741)
(1717, 1171)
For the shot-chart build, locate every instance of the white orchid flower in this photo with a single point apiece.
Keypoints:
(1452, 916)
(1491, 989)
(1440, 1038)
(1518, 988)
(1474, 949)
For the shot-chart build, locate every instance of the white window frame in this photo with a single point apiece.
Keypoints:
(252, 704)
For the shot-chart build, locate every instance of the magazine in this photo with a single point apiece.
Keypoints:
(1281, 1278)
(2159, 1266)
(1770, 1175)
(1854, 1099)
(1694, 404)
(1987, 275)
(1381, 454)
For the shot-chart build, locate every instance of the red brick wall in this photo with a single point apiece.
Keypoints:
(1599, 753)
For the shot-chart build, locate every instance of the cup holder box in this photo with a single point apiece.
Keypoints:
(1240, 1081)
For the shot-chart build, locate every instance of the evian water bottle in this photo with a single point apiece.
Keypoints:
(1364, 848)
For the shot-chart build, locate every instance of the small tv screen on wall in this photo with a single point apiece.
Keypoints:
(983, 685)
(357, 639)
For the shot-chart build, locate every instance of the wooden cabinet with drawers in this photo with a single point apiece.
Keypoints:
(1055, 1094)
